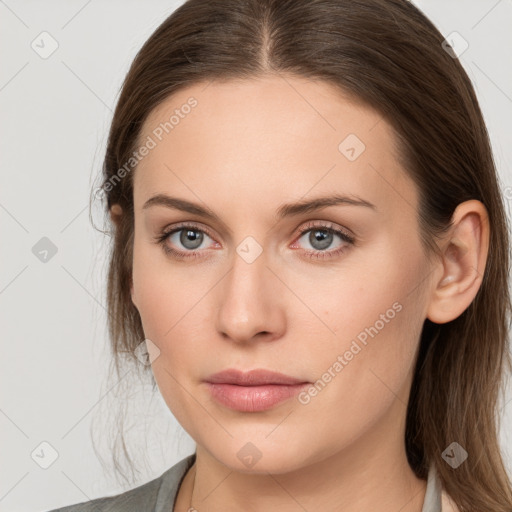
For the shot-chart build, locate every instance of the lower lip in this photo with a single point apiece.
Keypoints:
(253, 398)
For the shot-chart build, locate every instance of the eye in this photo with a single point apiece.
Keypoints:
(321, 237)
(191, 237)
(187, 235)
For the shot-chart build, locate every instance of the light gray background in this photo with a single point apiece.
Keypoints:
(55, 115)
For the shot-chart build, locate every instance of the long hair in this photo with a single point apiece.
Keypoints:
(387, 54)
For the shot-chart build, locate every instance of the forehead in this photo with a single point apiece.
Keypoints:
(255, 143)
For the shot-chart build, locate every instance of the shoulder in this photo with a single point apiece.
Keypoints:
(152, 496)
(138, 498)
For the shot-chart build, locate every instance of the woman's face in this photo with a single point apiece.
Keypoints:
(248, 291)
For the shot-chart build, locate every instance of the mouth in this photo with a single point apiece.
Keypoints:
(258, 377)
(253, 391)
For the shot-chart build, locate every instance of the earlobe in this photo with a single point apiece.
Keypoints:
(115, 213)
(464, 256)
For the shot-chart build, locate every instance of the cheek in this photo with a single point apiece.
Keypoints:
(377, 318)
(154, 293)
(167, 304)
(375, 287)
(171, 304)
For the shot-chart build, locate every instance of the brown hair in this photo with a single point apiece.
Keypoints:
(389, 55)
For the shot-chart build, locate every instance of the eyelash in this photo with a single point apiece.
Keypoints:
(316, 254)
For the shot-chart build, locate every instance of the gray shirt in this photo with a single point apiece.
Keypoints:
(159, 495)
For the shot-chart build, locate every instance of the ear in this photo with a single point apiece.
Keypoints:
(116, 213)
(461, 269)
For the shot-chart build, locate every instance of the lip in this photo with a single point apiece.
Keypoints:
(253, 391)
(256, 377)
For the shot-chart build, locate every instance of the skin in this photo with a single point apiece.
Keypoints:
(243, 151)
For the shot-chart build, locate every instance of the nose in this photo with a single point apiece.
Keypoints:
(251, 302)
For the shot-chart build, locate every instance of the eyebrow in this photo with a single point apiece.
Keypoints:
(286, 210)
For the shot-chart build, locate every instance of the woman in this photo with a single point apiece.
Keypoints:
(311, 241)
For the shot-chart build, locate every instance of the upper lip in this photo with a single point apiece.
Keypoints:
(256, 377)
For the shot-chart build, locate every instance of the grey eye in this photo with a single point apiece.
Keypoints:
(320, 238)
(190, 238)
